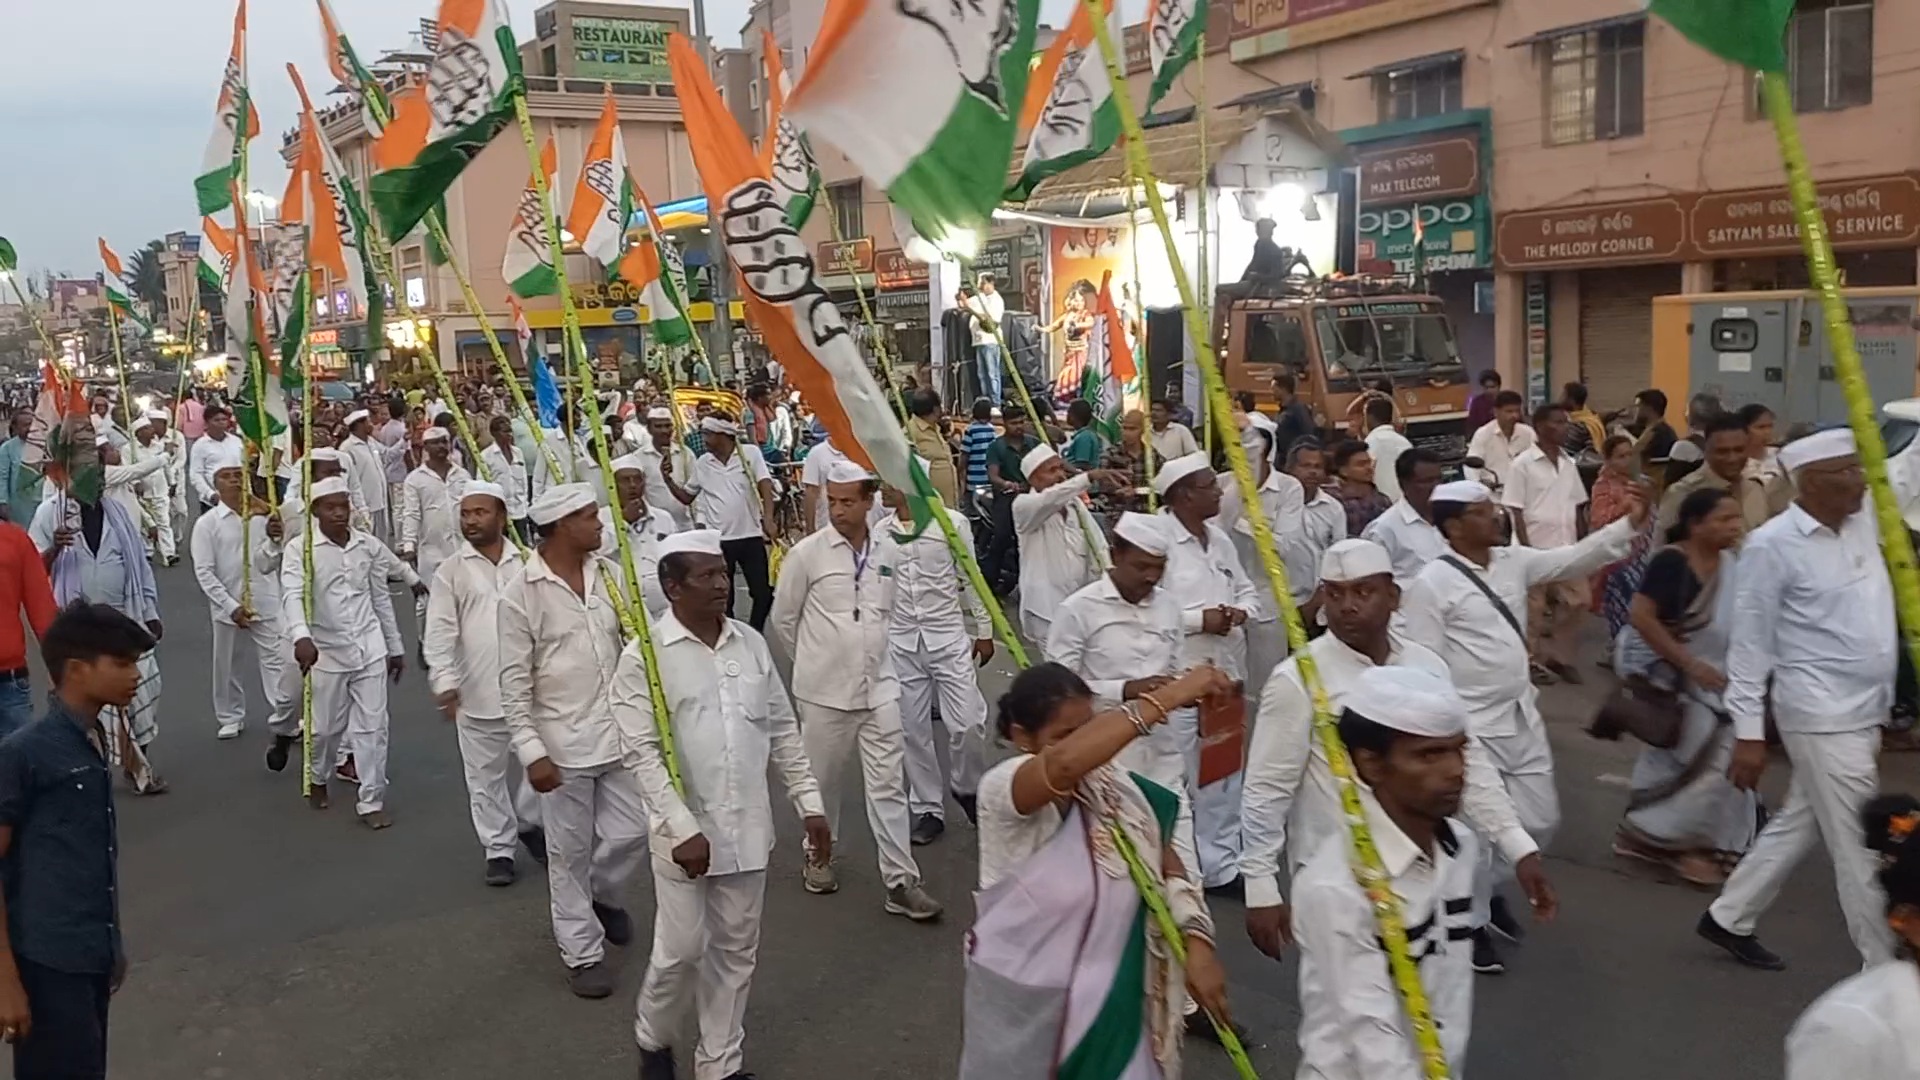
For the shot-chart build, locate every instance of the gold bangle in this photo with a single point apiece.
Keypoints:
(1048, 780)
(1156, 703)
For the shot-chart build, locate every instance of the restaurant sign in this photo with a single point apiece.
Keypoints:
(1877, 212)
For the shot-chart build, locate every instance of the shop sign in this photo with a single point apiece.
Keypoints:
(893, 270)
(1456, 231)
(996, 258)
(844, 256)
(902, 307)
(1272, 26)
(1139, 56)
(1438, 166)
(323, 339)
(1876, 212)
(612, 294)
(1644, 231)
(1538, 307)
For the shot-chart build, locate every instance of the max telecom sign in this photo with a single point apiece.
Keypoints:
(1435, 177)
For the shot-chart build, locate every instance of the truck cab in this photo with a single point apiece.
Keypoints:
(1344, 340)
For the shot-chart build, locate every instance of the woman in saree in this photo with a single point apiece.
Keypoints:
(1068, 974)
(1684, 813)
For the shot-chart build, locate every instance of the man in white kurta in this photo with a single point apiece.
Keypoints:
(461, 639)
(661, 449)
(367, 460)
(1406, 529)
(216, 547)
(1470, 607)
(215, 450)
(1266, 633)
(1814, 638)
(175, 446)
(711, 837)
(939, 633)
(156, 499)
(351, 643)
(503, 464)
(1061, 549)
(1216, 599)
(1290, 801)
(559, 644)
(126, 483)
(430, 510)
(830, 620)
(647, 526)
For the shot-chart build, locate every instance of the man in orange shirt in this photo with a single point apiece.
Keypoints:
(24, 587)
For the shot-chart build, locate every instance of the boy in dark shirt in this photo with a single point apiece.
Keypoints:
(63, 957)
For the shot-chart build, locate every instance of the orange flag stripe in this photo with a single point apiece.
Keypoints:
(588, 203)
(1040, 84)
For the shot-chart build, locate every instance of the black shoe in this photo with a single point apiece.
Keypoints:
(1486, 959)
(743, 1075)
(500, 872)
(1500, 919)
(1233, 890)
(656, 1064)
(615, 922)
(969, 805)
(1200, 1027)
(277, 753)
(535, 841)
(1742, 947)
(926, 829)
(593, 981)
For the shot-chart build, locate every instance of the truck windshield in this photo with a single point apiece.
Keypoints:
(1401, 350)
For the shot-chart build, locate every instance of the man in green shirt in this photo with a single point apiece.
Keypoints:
(1085, 447)
(1007, 480)
(19, 482)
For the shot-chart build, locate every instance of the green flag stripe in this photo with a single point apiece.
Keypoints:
(1106, 130)
(1748, 32)
(1184, 50)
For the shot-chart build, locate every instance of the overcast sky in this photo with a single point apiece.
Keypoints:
(106, 106)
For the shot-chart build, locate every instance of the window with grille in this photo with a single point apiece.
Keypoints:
(1416, 93)
(1830, 54)
(847, 210)
(1596, 84)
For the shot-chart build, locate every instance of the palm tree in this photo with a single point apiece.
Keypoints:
(148, 279)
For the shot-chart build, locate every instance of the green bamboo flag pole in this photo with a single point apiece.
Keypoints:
(10, 270)
(1753, 33)
(1367, 867)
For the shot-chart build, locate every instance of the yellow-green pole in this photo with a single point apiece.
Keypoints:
(308, 398)
(1367, 868)
(637, 618)
(1895, 544)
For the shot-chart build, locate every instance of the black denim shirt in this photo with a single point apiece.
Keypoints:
(60, 872)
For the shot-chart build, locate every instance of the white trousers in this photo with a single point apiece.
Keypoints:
(502, 802)
(831, 736)
(279, 675)
(944, 675)
(350, 709)
(1834, 774)
(1266, 648)
(163, 541)
(596, 823)
(1036, 628)
(706, 932)
(378, 520)
(1525, 763)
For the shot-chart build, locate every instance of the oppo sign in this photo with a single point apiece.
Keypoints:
(1400, 218)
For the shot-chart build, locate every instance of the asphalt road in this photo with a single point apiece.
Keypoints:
(271, 941)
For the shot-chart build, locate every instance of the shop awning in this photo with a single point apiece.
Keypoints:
(1177, 157)
(1580, 28)
(1431, 60)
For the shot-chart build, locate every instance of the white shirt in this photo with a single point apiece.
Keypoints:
(1176, 441)
(1866, 1028)
(730, 718)
(1449, 614)
(1109, 642)
(1498, 450)
(682, 459)
(430, 513)
(1056, 533)
(1307, 530)
(1289, 799)
(1352, 1024)
(175, 444)
(1275, 496)
(1411, 541)
(462, 633)
(353, 624)
(1549, 494)
(727, 494)
(831, 610)
(367, 462)
(208, 456)
(558, 652)
(1386, 445)
(986, 308)
(1814, 615)
(643, 539)
(933, 603)
(512, 477)
(813, 477)
(215, 548)
(1203, 578)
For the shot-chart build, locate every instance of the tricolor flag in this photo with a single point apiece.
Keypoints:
(788, 158)
(528, 266)
(440, 126)
(216, 255)
(923, 98)
(118, 294)
(60, 441)
(546, 390)
(522, 333)
(346, 67)
(235, 121)
(603, 202)
(340, 228)
(247, 350)
(784, 299)
(1110, 367)
(1175, 29)
(1069, 113)
(655, 268)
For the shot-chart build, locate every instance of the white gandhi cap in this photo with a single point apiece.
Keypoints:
(356, 416)
(1351, 560)
(1463, 491)
(1178, 469)
(846, 471)
(1819, 446)
(433, 433)
(332, 485)
(692, 542)
(1144, 531)
(484, 487)
(1037, 457)
(1411, 700)
(630, 463)
(559, 501)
